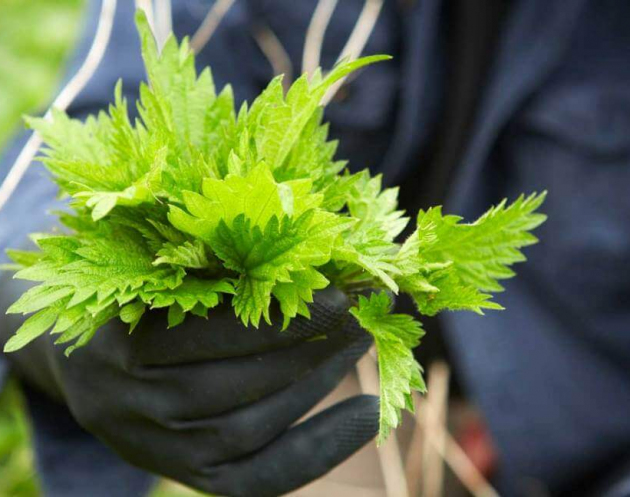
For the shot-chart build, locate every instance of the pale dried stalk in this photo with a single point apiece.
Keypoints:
(457, 459)
(209, 25)
(424, 466)
(315, 35)
(163, 21)
(414, 464)
(64, 99)
(434, 442)
(357, 40)
(275, 53)
(449, 450)
(362, 30)
(389, 453)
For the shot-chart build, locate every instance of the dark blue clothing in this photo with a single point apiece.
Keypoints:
(551, 373)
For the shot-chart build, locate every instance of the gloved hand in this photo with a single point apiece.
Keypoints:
(211, 403)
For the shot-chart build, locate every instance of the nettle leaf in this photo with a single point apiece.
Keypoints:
(264, 257)
(376, 209)
(190, 254)
(23, 258)
(368, 251)
(190, 293)
(395, 336)
(443, 289)
(256, 196)
(39, 297)
(448, 265)
(194, 205)
(276, 123)
(132, 313)
(78, 154)
(312, 155)
(33, 327)
(109, 265)
(294, 296)
(482, 252)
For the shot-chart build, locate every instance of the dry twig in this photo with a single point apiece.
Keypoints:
(277, 56)
(440, 438)
(461, 465)
(437, 398)
(357, 40)
(315, 35)
(210, 23)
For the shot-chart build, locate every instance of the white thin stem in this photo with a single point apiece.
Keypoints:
(389, 453)
(64, 99)
(315, 35)
(163, 21)
(362, 30)
(210, 23)
(275, 53)
(357, 40)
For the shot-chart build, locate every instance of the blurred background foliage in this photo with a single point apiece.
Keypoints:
(36, 38)
(17, 477)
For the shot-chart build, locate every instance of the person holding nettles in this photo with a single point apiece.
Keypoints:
(478, 104)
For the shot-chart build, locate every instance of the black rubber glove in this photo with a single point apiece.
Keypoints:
(211, 403)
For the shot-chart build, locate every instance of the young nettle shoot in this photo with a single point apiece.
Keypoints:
(193, 206)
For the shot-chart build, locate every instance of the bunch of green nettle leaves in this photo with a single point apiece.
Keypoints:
(192, 206)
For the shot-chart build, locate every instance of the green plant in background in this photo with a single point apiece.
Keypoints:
(17, 476)
(35, 36)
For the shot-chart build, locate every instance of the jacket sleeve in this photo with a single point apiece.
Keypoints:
(551, 372)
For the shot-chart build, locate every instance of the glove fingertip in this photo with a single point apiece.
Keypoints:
(358, 427)
(330, 299)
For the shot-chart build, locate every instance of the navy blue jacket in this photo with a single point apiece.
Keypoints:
(552, 373)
